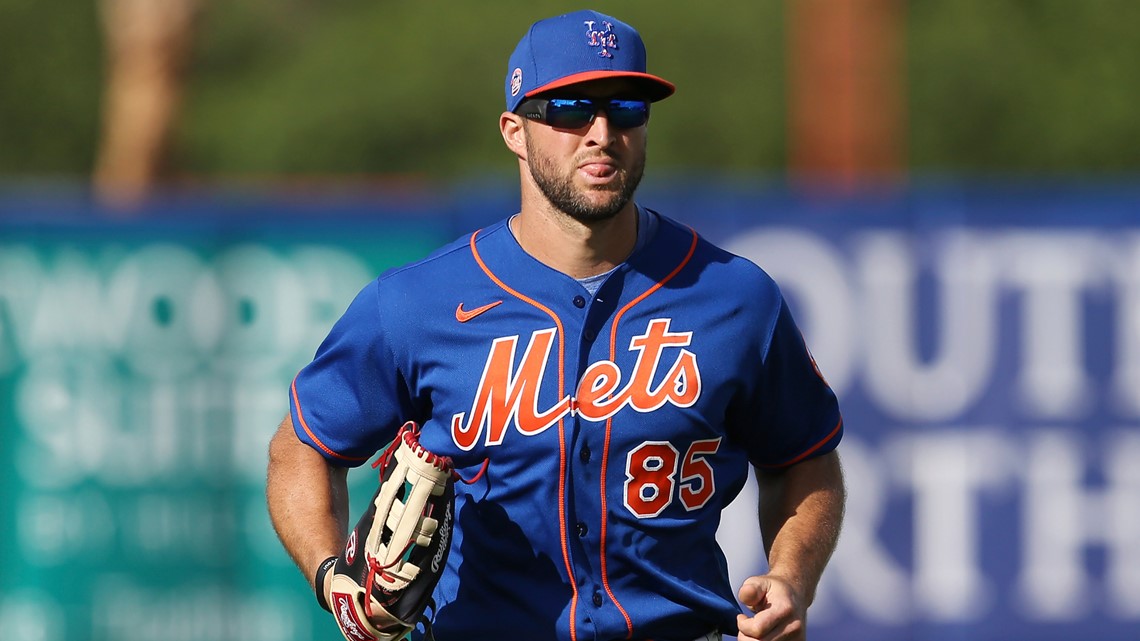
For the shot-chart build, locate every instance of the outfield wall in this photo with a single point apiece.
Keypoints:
(984, 341)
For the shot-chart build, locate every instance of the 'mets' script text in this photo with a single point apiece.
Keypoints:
(507, 396)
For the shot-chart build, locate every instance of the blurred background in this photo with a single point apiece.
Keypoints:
(948, 191)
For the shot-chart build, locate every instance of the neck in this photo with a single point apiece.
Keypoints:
(573, 247)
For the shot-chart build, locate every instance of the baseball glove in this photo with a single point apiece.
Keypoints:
(383, 580)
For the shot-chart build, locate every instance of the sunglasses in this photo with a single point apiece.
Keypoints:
(575, 113)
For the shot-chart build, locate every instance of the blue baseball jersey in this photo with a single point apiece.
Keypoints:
(617, 425)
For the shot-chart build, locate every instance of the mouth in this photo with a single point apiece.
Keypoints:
(598, 169)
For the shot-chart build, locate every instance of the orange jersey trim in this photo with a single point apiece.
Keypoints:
(808, 452)
(305, 426)
(610, 422)
(561, 427)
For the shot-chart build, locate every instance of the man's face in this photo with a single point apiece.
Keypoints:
(590, 173)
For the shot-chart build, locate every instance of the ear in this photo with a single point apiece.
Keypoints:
(514, 133)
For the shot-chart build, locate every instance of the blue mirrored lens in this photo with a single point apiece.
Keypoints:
(570, 113)
(626, 114)
(575, 113)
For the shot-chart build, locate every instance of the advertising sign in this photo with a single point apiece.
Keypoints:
(984, 344)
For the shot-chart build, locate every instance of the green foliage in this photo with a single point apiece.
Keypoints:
(366, 86)
(314, 88)
(50, 75)
(1024, 85)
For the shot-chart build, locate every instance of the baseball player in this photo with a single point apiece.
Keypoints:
(617, 375)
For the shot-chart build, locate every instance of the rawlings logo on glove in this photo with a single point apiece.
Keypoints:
(346, 617)
(382, 583)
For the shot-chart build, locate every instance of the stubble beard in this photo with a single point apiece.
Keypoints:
(559, 189)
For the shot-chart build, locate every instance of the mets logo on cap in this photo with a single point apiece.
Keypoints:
(606, 39)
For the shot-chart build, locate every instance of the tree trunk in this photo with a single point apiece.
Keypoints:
(147, 45)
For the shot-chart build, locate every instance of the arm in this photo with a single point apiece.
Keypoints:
(308, 500)
(801, 510)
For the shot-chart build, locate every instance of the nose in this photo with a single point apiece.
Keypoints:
(600, 132)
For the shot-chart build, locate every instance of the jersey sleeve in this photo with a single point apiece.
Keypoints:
(348, 402)
(792, 413)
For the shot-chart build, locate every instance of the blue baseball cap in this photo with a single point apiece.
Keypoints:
(578, 47)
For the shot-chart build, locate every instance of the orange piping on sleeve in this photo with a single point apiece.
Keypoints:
(807, 453)
(304, 425)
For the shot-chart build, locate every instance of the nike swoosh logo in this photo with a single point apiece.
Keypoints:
(464, 315)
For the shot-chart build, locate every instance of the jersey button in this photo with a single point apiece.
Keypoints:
(584, 454)
(579, 302)
(590, 334)
(598, 599)
(583, 530)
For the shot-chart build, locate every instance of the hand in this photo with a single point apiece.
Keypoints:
(780, 613)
